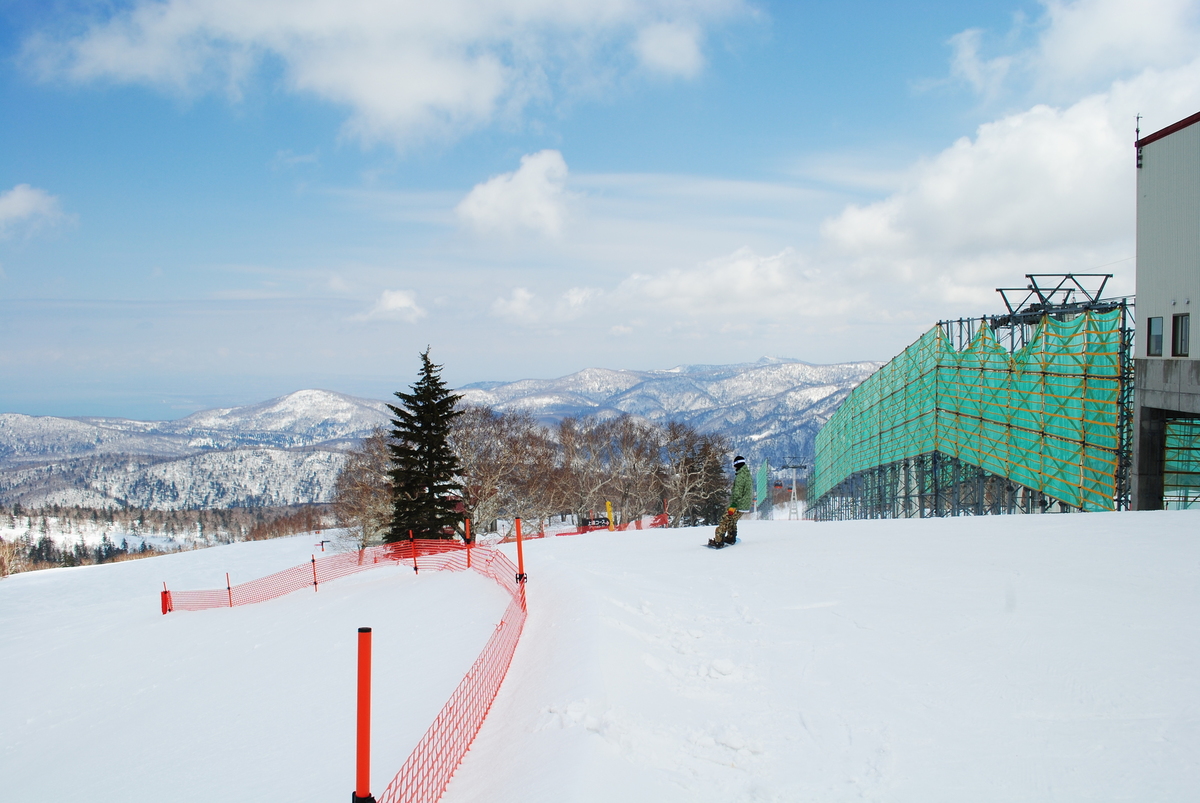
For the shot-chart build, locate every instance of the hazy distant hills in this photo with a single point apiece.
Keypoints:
(289, 450)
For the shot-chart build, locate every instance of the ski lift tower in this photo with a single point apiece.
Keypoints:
(793, 503)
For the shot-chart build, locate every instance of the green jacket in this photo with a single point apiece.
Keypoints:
(742, 497)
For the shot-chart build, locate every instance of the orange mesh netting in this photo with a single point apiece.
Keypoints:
(427, 772)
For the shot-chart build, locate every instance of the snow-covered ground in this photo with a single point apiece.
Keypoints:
(994, 659)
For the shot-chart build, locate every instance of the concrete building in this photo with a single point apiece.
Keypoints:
(1166, 438)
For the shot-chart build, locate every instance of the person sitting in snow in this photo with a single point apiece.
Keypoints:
(739, 502)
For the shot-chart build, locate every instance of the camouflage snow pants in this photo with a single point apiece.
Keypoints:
(727, 528)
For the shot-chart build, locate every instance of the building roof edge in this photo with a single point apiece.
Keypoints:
(1171, 129)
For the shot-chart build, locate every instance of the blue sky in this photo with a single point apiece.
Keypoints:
(206, 203)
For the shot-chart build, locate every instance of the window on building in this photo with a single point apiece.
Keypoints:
(1180, 324)
(1154, 337)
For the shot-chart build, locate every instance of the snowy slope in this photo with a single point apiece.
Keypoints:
(1039, 658)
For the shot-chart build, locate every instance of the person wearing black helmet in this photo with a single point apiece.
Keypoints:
(740, 501)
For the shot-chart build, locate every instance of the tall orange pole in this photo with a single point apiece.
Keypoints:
(520, 555)
(362, 768)
(467, 525)
(229, 589)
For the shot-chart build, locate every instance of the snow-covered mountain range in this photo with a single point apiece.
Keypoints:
(289, 450)
(771, 409)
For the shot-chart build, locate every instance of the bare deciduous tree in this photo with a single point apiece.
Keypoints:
(508, 462)
(362, 495)
(694, 475)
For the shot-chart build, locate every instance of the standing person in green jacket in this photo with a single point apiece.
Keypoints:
(739, 502)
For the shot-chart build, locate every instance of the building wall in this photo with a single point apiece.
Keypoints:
(1168, 283)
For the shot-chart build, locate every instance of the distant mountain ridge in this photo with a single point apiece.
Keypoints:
(306, 418)
(289, 450)
(771, 408)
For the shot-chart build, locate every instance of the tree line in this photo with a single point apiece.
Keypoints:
(442, 463)
(511, 466)
(51, 536)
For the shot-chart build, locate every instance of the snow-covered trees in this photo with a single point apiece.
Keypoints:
(425, 470)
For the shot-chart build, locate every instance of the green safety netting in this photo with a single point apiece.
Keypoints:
(1181, 464)
(1045, 416)
(762, 487)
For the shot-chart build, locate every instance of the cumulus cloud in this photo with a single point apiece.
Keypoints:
(407, 69)
(395, 305)
(28, 207)
(1102, 39)
(1047, 189)
(1081, 47)
(1050, 189)
(531, 198)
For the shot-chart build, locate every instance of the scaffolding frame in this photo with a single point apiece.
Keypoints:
(1027, 411)
(930, 485)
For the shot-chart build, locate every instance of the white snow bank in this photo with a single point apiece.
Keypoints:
(1031, 658)
(980, 659)
(107, 699)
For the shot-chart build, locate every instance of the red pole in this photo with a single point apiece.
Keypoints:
(314, 559)
(166, 599)
(362, 764)
(229, 589)
(468, 532)
(520, 555)
(413, 542)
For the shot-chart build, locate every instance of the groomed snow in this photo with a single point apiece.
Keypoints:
(1041, 658)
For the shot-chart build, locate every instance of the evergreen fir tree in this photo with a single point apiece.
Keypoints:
(424, 468)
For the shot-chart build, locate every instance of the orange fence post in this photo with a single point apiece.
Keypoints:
(166, 599)
(229, 589)
(467, 525)
(362, 764)
(314, 562)
(521, 578)
(413, 543)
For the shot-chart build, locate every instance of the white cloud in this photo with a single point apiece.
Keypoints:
(518, 306)
(984, 76)
(395, 305)
(1088, 40)
(532, 198)
(526, 308)
(1049, 189)
(407, 69)
(670, 48)
(1082, 46)
(26, 206)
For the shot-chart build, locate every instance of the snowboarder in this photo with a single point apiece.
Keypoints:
(739, 502)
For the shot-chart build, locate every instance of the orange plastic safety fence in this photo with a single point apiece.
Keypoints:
(427, 772)
(430, 554)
